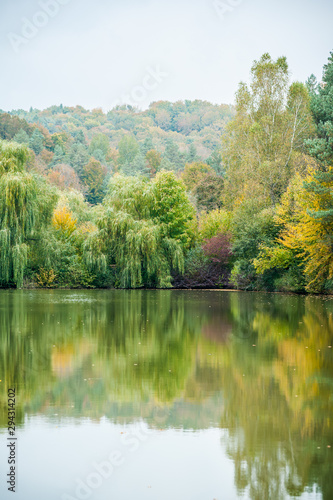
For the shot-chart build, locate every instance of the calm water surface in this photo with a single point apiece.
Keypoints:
(167, 395)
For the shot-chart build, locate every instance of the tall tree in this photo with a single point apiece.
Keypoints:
(272, 120)
(78, 157)
(215, 161)
(26, 206)
(154, 159)
(173, 154)
(191, 154)
(93, 176)
(36, 141)
(322, 109)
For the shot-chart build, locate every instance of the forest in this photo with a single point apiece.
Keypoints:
(185, 195)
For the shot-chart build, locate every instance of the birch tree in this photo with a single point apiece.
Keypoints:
(272, 120)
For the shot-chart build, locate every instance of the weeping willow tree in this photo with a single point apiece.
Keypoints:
(24, 210)
(141, 239)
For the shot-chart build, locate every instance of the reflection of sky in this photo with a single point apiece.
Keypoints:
(176, 465)
(157, 465)
(92, 52)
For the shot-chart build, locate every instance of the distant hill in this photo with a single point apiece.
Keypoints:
(71, 144)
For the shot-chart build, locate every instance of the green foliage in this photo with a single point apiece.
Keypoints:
(36, 142)
(147, 226)
(191, 154)
(173, 155)
(215, 222)
(272, 120)
(58, 156)
(93, 176)
(321, 147)
(21, 137)
(143, 230)
(26, 204)
(172, 208)
(147, 145)
(252, 228)
(100, 142)
(78, 157)
(154, 160)
(128, 149)
(194, 173)
(215, 161)
(272, 257)
(138, 166)
(208, 192)
(12, 157)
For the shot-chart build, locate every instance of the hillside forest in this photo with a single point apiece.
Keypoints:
(186, 194)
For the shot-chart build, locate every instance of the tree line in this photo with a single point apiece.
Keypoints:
(256, 214)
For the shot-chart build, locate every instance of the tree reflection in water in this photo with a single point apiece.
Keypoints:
(258, 365)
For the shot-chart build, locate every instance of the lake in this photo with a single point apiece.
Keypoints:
(167, 395)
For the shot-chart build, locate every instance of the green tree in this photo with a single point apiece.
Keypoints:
(154, 160)
(147, 145)
(191, 155)
(173, 154)
(128, 149)
(322, 110)
(99, 142)
(251, 229)
(78, 157)
(143, 231)
(194, 173)
(36, 142)
(93, 176)
(215, 161)
(208, 192)
(80, 137)
(138, 166)
(21, 137)
(272, 120)
(172, 207)
(26, 205)
(59, 155)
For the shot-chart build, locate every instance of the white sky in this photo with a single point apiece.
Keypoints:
(95, 52)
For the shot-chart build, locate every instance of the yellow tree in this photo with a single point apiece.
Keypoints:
(306, 216)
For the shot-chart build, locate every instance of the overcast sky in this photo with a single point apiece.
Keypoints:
(98, 53)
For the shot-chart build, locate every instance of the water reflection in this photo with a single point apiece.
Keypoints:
(256, 365)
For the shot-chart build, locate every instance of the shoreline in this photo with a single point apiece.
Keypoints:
(305, 294)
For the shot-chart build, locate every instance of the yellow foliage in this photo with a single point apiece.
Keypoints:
(63, 221)
(270, 257)
(306, 234)
(214, 222)
(46, 278)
